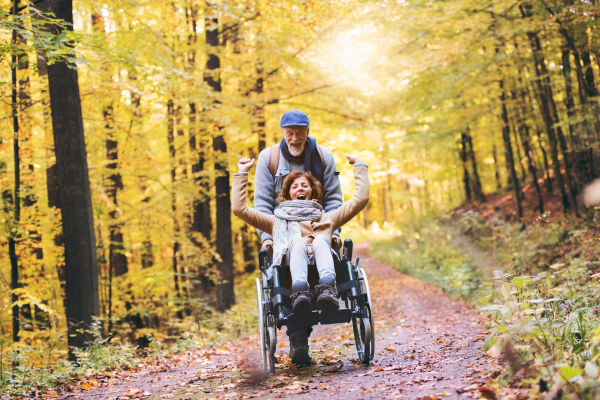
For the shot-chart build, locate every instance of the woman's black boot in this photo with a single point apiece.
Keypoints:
(301, 298)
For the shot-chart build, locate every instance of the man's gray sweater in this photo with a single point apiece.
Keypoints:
(266, 188)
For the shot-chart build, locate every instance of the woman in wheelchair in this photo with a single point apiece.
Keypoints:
(301, 229)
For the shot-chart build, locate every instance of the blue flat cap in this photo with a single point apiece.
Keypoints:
(294, 118)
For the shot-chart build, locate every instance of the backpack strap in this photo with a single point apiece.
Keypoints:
(321, 154)
(274, 159)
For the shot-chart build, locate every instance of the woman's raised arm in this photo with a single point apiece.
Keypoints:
(239, 202)
(352, 207)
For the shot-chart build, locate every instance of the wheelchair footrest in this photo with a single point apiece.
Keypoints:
(336, 316)
(315, 317)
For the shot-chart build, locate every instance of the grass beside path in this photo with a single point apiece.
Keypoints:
(540, 284)
(30, 372)
(426, 249)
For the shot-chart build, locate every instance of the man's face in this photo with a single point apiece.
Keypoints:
(295, 137)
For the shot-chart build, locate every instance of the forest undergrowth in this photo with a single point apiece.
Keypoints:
(27, 370)
(543, 297)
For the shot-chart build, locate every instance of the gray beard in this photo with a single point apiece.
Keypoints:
(296, 153)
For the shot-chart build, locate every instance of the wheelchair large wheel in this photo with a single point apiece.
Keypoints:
(272, 333)
(366, 352)
(370, 313)
(268, 335)
(261, 323)
(362, 338)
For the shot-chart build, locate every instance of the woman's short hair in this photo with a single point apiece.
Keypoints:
(315, 186)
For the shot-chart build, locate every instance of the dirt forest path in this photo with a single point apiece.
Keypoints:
(428, 345)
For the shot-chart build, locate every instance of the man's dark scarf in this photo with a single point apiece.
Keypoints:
(310, 157)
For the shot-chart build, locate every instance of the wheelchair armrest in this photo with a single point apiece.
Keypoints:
(265, 258)
(348, 247)
(336, 249)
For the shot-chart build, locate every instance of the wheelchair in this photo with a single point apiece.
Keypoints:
(275, 307)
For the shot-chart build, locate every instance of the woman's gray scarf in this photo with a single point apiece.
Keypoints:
(286, 225)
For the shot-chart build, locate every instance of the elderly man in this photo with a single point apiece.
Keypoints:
(297, 151)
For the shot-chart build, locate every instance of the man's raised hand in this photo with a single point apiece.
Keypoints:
(245, 164)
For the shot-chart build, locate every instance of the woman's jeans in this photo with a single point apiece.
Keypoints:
(298, 260)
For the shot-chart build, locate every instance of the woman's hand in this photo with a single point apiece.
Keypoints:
(354, 159)
(245, 164)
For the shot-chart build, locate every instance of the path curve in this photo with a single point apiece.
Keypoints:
(428, 345)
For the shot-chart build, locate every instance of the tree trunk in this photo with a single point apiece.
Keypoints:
(466, 176)
(202, 222)
(225, 293)
(581, 156)
(542, 92)
(176, 228)
(116, 253)
(524, 133)
(12, 240)
(556, 119)
(519, 153)
(570, 105)
(546, 164)
(509, 152)
(258, 111)
(525, 140)
(390, 200)
(81, 272)
(496, 169)
(477, 190)
(384, 202)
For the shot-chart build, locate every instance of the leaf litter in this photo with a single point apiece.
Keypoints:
(429, 346)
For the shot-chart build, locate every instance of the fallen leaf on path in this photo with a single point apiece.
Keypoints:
(392, 368)
(335, 368)
(52, 394)
(131, 392)
(294, 386)
(88, 385)
(487, 393)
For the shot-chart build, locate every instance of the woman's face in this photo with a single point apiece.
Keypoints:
(300, 189)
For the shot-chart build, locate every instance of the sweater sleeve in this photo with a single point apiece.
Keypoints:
(332, 190)
(264, 193)
(239, 206)
(355, 205)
